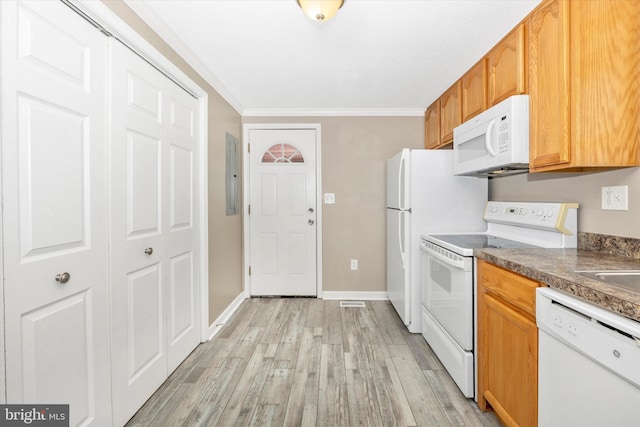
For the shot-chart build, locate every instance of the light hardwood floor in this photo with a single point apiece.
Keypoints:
(309, 362)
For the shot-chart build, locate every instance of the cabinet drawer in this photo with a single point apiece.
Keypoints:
(508, 286)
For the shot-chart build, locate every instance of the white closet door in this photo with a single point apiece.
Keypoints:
(139, 357)
(182, 236)
(54, 195)
(154, 256)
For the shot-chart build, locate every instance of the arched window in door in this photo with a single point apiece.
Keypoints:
(282, 153)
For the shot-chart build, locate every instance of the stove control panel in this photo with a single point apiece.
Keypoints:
(554, 217)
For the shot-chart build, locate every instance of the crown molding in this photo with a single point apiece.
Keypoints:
(166, 33)
(335, 112)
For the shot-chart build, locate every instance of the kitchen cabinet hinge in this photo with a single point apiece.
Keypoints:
(249, 209)
(249, 270)
(248, 148)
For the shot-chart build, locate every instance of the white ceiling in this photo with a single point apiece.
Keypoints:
(376, 57)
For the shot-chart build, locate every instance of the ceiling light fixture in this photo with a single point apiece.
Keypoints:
(320, 10)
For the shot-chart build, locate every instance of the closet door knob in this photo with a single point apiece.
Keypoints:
(63, 277)
(148, 251)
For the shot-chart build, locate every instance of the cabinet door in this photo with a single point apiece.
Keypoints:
(506, 64)
(549, 85)
(605, 70)
(509, 363)
(474, 91)
(450, 112)
(432, 125)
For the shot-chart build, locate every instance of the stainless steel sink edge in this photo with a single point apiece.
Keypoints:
(629, 279)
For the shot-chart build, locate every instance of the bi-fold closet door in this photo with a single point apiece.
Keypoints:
(154, 233)
(54, 192)
(99, 163)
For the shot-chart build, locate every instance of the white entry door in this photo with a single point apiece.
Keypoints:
(54, 196)
(154, 229)
(283, 212)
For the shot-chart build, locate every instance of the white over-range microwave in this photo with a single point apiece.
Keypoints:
(495, 142)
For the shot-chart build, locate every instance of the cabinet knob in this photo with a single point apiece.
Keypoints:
(63, 277)
(148, 251)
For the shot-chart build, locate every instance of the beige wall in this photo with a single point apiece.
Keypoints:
(225, 233)
(354, 151)
(584, 188)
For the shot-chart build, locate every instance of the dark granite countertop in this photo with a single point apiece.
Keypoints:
(555, 268)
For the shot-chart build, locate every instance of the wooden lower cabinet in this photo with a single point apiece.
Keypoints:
(507, 345)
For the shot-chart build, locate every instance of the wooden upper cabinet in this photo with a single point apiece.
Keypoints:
(450, 112)
(583, 85)
(578, 61)
(432, 125)
(506, 67)
(474, 91)
(605, 83)
(549, 90)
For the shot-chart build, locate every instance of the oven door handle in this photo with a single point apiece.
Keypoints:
(460, 264)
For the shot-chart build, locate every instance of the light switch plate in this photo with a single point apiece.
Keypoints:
(329, 198)
(615, 198)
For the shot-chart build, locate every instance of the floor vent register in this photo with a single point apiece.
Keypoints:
(352, 304)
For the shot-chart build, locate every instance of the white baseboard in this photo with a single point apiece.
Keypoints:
(354, 295)
(215, 327)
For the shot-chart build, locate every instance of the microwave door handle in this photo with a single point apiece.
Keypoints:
(487, 138)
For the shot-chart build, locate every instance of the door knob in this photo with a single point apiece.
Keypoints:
(63, 277)
(148, 251)
(310, 210)
(311, 222)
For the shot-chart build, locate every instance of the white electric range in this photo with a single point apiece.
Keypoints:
(448, 275)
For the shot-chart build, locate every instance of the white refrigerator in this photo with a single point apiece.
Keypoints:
(424, 197)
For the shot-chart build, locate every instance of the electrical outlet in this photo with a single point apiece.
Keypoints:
(354, 264)
(329, 198)
(615, 198)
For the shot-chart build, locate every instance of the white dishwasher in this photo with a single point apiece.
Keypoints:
(588, 364)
